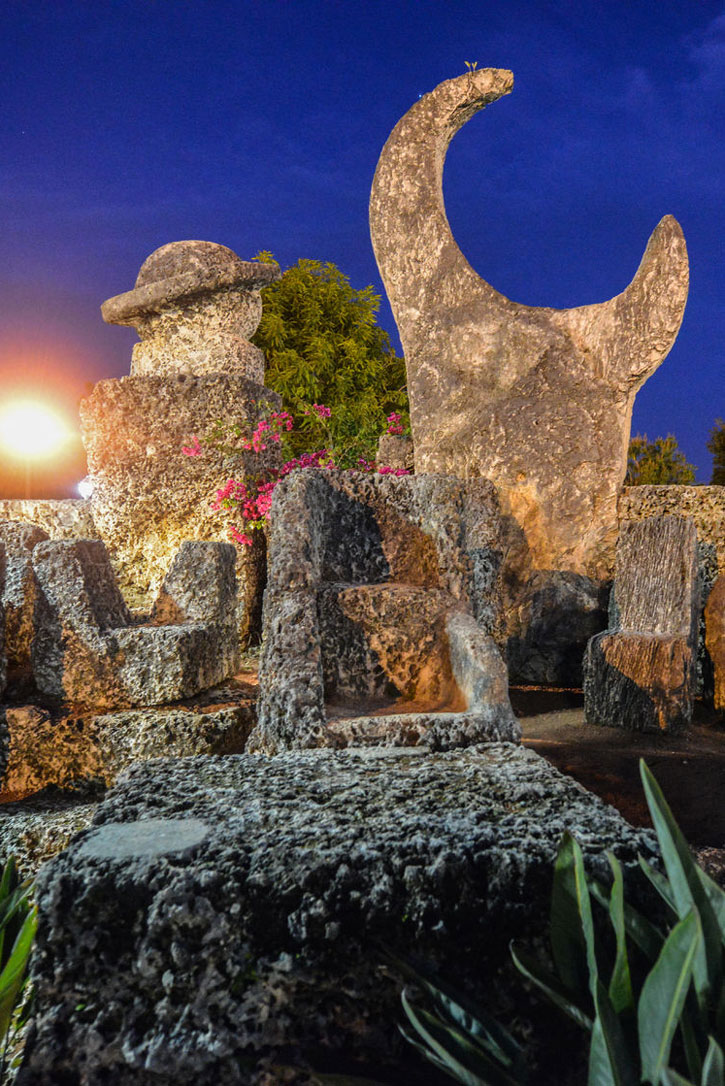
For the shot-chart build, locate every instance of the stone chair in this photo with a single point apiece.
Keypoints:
(640, 673)
(89, 649)
(379, 614)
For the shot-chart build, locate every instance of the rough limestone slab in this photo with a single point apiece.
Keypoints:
(715, 638)
(538, 400)
(88, 650)
(364, 573)
(64, 518)
(35, 829)
(641, 673)
(194, 306)
(44, 749)
(205, 964)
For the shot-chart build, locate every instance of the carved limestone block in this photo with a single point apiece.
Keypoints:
(89, 650)
(538, 400)
(640, 674)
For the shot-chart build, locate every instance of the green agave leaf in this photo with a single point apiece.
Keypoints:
(552, 987)
(660, 883)
(663, 995)
(673, 1078)
(572, 927)
(694, 1035)
(713, 1069)
(493, 1036)
(461, 1010)
(687, 887)
(716, 896)
(641, 931)
(610, 1060)
(9, 878)
(465, 1059)
(620, 984)
(424, 1051)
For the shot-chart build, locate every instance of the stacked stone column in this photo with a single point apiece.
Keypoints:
(195, 305)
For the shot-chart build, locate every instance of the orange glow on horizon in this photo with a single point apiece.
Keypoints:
(31, 429)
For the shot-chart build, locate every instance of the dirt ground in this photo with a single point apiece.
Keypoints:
(690, 767)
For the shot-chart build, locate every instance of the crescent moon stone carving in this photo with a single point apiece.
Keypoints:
(538, 400)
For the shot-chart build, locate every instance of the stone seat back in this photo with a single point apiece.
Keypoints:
(640, 673)
(88, 648)
(656, 577)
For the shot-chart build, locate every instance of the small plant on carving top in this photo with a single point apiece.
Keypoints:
(471, 65)
(247, 497)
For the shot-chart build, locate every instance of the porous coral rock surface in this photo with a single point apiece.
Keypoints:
(202, 958)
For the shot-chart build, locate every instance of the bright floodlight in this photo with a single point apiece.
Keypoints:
(85, 487)
(31, 430)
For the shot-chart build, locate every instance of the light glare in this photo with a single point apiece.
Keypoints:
(30, 430)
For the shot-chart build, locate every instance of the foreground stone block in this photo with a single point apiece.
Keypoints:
(640, 674)
(371, 581)
(221, 917)
(88, 650)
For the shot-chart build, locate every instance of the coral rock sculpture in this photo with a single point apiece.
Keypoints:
(194, 306)
(538, 400)
(380, 614)
(87, 648)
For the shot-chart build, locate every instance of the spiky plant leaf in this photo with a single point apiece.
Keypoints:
(663, 995)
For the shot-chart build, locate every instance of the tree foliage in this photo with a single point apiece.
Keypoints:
(657, 463)
(323, 346)
(716, 445)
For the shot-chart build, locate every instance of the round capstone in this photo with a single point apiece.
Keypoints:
(181, 271)
(149, 837)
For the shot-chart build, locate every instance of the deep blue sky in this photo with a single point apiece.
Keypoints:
(126, 124)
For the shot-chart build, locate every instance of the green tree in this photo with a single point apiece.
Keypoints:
(657, 463)
(716, 445)
(323, 345)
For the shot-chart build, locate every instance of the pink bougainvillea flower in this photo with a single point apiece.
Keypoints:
(240, 537)
(394, 423)
(194, 449)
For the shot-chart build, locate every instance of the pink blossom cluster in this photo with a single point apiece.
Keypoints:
(369, 465)
(320, 410)
(394, 421)
(254, 500)
(270, 429)
(194, 449)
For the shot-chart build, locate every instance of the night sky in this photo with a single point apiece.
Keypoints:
(127, 124)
